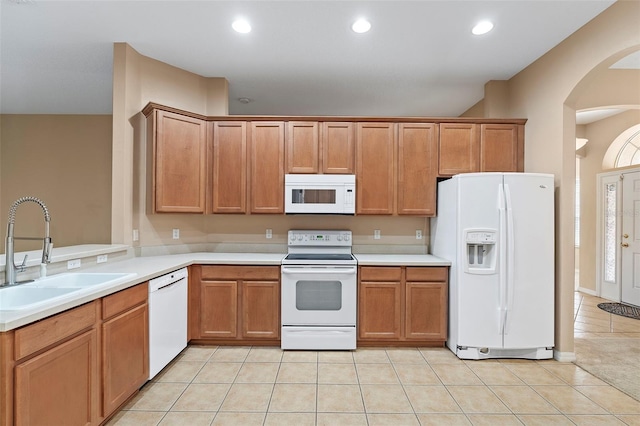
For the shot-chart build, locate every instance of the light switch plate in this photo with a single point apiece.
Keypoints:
(376, 234)
(269, 234)
(136, 235)
(176, 233)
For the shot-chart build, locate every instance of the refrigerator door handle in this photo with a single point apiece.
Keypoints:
(502, 258)
(510, 288)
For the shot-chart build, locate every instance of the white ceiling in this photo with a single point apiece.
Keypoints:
(301, 58)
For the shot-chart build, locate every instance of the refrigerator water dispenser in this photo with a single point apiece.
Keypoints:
(480, 251)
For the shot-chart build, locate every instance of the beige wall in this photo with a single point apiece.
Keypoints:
(65, 161)
(546, 93)
(600, 135)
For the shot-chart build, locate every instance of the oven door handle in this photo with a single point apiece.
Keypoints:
(323, 270)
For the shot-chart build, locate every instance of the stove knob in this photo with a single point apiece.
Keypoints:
(346, 237)
(299, 237)
(292, 238)
(339, 237)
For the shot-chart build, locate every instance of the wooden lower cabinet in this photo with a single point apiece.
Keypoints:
(125, 346)
(234, 304)
(59, 386)
(56, 370)
(402, 304)
(219, 309)
(76, 367)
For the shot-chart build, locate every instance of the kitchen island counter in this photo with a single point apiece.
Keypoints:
(145, 269)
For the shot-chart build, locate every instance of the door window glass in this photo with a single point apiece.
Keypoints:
(610, 232)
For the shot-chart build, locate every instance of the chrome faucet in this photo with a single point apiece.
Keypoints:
(11, 269)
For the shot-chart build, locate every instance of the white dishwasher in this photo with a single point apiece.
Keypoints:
(167, 319)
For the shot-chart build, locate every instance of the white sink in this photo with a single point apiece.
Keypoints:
(56, 287)
(80, 279)
(20, 297)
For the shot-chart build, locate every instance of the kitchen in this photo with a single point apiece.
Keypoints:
(205, 232)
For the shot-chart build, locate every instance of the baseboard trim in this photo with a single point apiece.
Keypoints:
(564, 356)
(587, 291)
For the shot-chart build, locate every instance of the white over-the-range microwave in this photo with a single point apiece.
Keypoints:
(320, 194)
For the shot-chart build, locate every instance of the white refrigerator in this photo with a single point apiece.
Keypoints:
(497, 229)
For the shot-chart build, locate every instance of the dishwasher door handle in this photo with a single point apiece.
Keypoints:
(170, 284)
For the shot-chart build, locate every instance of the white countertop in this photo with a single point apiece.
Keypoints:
(400, 259)
(150, 267)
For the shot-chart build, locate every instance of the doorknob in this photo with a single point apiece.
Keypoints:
(625, 244)
(626, 235)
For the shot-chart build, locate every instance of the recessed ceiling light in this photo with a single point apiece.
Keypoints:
(361, 26)
(241, 26)
(482, 27)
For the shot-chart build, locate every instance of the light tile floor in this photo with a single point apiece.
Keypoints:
(412, 386)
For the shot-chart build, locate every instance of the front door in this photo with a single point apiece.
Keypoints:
(630, 239)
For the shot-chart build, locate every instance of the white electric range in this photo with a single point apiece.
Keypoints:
(318, 293)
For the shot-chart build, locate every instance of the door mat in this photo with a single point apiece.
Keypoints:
(621, 309)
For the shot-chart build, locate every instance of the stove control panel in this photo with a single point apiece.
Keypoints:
(319, 238)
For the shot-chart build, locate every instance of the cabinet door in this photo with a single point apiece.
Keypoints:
(219, 309)
(379, 314)
(260, 309)
(426, 311)
(229, 167)
(338, 148)
(125, 356)
(417, 169)
(459, 150)
(267, 167)
(179, 163)
(374, 168)
(59, 386)
(499, 147)
(302, 147)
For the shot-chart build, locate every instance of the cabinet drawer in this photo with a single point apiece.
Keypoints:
(32, 338)
(121, 301)
(427, 273)
(240, 272)
(380, 273)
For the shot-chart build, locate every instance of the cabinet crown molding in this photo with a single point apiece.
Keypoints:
(151, 106)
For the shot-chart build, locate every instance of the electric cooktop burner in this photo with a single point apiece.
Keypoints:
(322, 256)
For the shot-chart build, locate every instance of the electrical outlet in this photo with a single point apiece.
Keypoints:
(74, 264)
(269, 234)
(136, 235)
(101, 259)
(418, 234)
(376, 234)
(176, 233)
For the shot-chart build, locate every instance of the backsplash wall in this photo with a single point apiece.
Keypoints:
(228, 233)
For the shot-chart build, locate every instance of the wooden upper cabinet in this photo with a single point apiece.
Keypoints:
(267, 167)
(338, 148)
(302, 147)
(458, 148)
(375, 168)
(417, 168)
(179, 149)
(326, 147)
(229, 182)
(500, 148)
